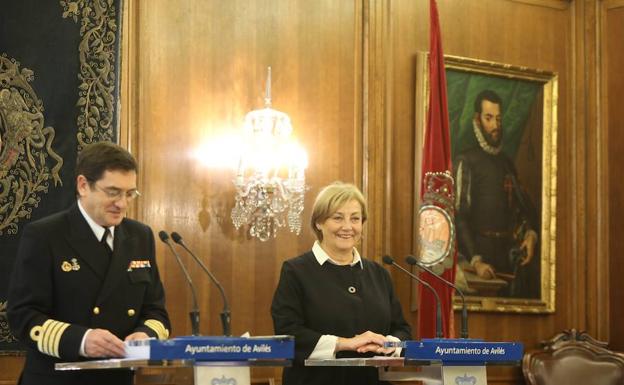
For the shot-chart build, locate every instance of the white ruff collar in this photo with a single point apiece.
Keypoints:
(483, 142)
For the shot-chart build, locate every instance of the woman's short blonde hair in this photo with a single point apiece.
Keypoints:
(330, 199)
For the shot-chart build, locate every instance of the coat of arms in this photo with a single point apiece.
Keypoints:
(436, 228)
(25, 146)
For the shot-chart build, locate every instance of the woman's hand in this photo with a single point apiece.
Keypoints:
(365, 342)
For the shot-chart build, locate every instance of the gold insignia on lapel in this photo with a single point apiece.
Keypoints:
(66, 266)
(70, 266)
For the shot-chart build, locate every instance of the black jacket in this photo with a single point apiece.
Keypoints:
(64, 282)
(312, 300)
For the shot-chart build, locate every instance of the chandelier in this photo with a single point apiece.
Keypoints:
(270, 182)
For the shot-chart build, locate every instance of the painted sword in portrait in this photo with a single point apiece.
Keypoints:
(503, 147)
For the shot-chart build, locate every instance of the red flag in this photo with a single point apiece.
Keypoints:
(436, 158)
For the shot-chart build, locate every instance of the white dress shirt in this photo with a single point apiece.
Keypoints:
(99, 232)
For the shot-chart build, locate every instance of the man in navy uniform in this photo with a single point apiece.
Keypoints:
(86, 279)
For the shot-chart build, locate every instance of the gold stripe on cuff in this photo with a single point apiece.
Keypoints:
(57, 339)
(42, 343)
(48, 336)
(158, 327)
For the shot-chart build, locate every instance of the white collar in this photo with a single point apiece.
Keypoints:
(97, 229)
(322, 257)
(492, 150)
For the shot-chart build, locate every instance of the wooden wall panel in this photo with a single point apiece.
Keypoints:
(612, 20)
(10, 369)
(201, 67)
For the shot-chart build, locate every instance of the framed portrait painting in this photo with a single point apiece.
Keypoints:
(503, 123)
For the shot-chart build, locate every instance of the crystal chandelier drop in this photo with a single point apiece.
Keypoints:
(270, 183)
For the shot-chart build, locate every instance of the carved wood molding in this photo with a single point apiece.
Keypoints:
(129, 90)
(613, 4)
(591, 163)
(375, 126)
(555, 4)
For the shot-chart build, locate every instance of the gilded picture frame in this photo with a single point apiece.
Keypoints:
(529, 139)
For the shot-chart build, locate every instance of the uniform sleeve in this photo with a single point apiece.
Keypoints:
(30, 302)
(153, 319)
(288, 314)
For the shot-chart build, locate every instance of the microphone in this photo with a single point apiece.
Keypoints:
(225, 314)
(194, 313)
(389, 261)
(410, 259)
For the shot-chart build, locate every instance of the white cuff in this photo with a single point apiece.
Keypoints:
(325, 348)
(82, 344)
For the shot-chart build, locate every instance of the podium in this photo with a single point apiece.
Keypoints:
(440, 361)
(214, 360)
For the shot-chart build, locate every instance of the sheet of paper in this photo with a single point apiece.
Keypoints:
(138, 349)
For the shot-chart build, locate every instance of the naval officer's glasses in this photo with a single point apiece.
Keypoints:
(116, 194)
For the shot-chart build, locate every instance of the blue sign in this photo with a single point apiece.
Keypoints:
(461, 351)
(223, 348)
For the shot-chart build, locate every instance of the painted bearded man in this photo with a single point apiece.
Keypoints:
(495, 219)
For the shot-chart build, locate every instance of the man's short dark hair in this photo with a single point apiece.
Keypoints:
(99, 157)
(488, 95)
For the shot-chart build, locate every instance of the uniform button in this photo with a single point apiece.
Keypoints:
(96, 310)
(130, 312)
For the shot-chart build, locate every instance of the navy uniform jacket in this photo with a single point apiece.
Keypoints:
(63, 284)
(312, 300)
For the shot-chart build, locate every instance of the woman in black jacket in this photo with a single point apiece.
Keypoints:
(334, 302)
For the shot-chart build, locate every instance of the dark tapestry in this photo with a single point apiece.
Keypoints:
(59, 86)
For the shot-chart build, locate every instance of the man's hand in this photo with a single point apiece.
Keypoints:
(137, 336)
(529, 242)
(484, 270)
(102, 343)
